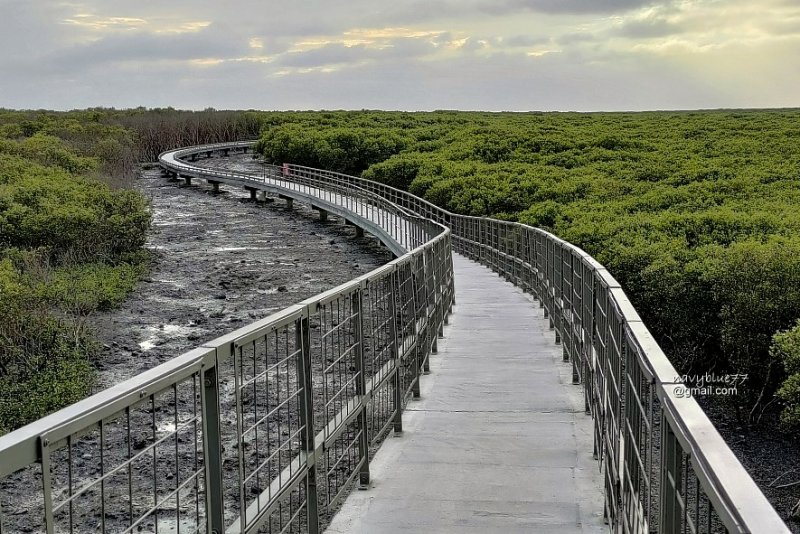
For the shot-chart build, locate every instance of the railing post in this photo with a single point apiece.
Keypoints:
(361, 388)
(212, 450)
(670, 514)
(303, 365)
(415, 389)
(431, 328)
(514, 256)
(398, 362)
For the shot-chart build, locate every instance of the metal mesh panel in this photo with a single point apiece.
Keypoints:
(270, 431)
(641, 443)
(131, 469)
(379, 354)
(136, 471)
(337, 347)
(289, 515)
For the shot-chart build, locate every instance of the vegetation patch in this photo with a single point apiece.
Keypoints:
(70, 244)
(695, 213)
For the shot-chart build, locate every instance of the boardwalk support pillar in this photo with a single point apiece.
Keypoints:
(323, 215)
(289, 201)
(253, 192)
(359, 230)
(214, 185)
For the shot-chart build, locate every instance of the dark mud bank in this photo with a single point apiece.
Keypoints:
(221, 261)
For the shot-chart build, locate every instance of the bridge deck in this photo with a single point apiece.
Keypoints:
(499, 441)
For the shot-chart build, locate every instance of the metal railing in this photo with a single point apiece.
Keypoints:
(666, 468)
(263, 429)
(302, 386)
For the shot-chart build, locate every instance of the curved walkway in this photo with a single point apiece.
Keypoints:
(499, 441)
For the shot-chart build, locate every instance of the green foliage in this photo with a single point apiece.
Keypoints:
(52, 208)
(786, 348)
(694, 212)
(90, 287)
(52, 152)
(43, 356)
(69, 245)
(398, 171)
(343, 149)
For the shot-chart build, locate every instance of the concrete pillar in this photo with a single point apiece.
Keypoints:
(188, 179)
(323, 215)
(208, 154)
(253, 192)
(214, 185)
(193, 157)
(225, 152)
(262, 197)
(289, 201)
(359, 230)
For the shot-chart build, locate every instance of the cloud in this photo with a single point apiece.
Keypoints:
(472, 54)
(648, 28)
(144, 48)
(563, 7)
(340, 53)
(524, 40)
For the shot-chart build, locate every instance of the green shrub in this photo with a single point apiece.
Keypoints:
(44, 358)
(398, 171)
(343, 149)
(786, 348)
(69, 245)
(694, 213)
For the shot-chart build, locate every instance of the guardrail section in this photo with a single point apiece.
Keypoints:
(666, 468)
(260, 430)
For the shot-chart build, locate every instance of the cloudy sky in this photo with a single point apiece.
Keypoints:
(401, 54)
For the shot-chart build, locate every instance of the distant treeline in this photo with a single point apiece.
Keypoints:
(695, 213)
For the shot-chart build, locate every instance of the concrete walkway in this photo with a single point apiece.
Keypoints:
(499, 441)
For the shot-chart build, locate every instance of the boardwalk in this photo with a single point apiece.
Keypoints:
(499, 441)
